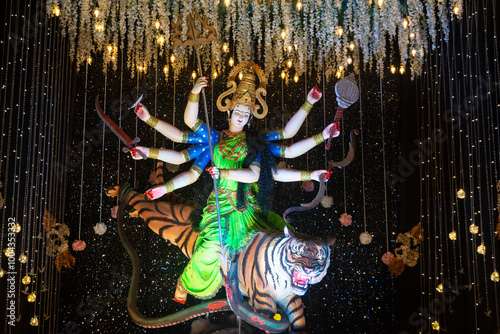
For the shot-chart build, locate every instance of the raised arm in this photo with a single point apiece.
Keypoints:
(191, 112)
(292, 175)
(166, 129)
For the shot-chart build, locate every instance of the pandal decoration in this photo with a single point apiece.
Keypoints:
(57, 244)
(267, 32)
(408, 253)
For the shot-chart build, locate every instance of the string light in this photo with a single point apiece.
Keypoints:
(240, 76)
(96, 12)
(89, 60)
(461, 193)
(110, 48)
(26, 280)
(474, 229)
(214, 75)
(56, 10)
(495, 277)
(2, 273)
(161, 40)
(289, 49)
(402, 69)
(34, 321)
(283, 34)
(340, 31)
(225, 48)
(99, 27)
(231, 61)
(193, 75)
(289, 63)
(338, 74)
(299, 5)
(23, 258)
(393, 69)
(413, 52)
(157, 24)
(227, 2)
(481, 249)
(456, 10)
(351, 45)
(412, 35)
(453, 235)
(165, 69)
(380, 3)
(341, 68)
(405, 23)
(283, 74)
(349, 60)
(32, 297)
(435, 325)
(172, 58)
(296, 77)
(440, 288)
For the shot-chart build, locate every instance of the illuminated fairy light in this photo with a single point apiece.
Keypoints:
(338, 74)
(495, 276)
(110, 48)
(481, 249)
(227, 2)
(474, 229)
(435, 325)
(165, 69)
(440, 288)
(172, 58)
(26, 280)
(32, 297)
(194, 75)
(393, 69)
(240, 76)
(412, 35)
(161, 40)
(299, 5)
(99, 27)
(225, 48)
(283, 34)
(461, 193)
(380, 3)
(289, 63)
(283, 74)
(405, 23)
(351, 46)
(2, 273)
(231, 61)
(89, 60)
(296, 78)
(157, 24)
(456, 10)
(34, 321)
(349, 60)
(56, 10)
(340, 31)
(289, 49)
(96, 12)
(453, 235)
(402, 69)
(413, 52)
(341, 68)
(214, 75)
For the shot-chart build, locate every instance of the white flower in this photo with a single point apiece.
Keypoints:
(327, 201)
(365, 238)
(100, 228)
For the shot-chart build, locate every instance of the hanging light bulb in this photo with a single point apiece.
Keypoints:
(23, 258)
(26, 280)
(474, 229)
(56, 10)
(495, 277)
(161, 40)
(283, 74)
(456, 10)
(299, 5)
(461, 193)
(349, 60)
(296, 77)
(240, 76)
(405, 23)
(214, 74)
(172, 58)
(338, 74)
(351, 46)
(435, 325)
(481, 249)
(34, 321)
(453, 235)
(380, 3)
(89, 60)
(225, 48)
(289, 48)
(157, 24)
(96, 12)
(413, 52)
(341, 68)
(393, 69)
(110, 48)
(340, 31)
(402, 69)
(193, 75)
(32, 297)
(99, 27)
(227, 2)
(440, 288)
(165, 69)
(412, 35)
(289, 63)
(283, 34)
(16, 228)
(231, 61)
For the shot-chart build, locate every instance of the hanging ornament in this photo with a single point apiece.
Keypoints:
(32, 297)
(23, 258)
(100, 228)
(365, 238)
(473, 229)
(387, 257)
(495, 277)
(327, 201)
(78, 245)
(16, 228)
(345, 219)
(26, 280)
(453, 235)
(2, 273)
(34, 321)
(440, 288)
(435, 325)
(308, 186)
(481, 249)
(9, 252)
(461, 193)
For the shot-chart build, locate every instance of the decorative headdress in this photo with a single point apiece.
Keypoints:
(245, 92)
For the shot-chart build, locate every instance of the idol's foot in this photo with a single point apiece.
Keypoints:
(180, 294)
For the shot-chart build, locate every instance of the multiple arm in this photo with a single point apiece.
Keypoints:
(292, 175)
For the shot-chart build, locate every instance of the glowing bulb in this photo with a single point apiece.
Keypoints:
(32, 297)
(413, 52)
(289, 63)
(299, 5)
(495, 277)
(172, 58)
(99, 27)
(110, 48)
(16, 228)
(214, 75)
(341, 68)
(402, 69)
(412, 35)
(453, 235)
(89, 60)
(283, 74)
(2, 273)
(227, 2)
(481, 249)
(440, 288)
(9, 252)
(113, 58)
(296, 78)
(193, 75)
(435, 325)
(405, 23)
(34, 321)
(161, 40)
(289, 49)
(26, 280)
(456, 10)
(240, 76)
(23, 258)
(473, 229)
(380, 3)
(157, 24)
(139, 68)
(351, 46)
(461, 193)
(231, 61)
(393, 69)
(96, 12)
(349, 60)
(165, 69)
(338, 74)
(283, 34)
(56, 11)
(340, 31)
(225, 48)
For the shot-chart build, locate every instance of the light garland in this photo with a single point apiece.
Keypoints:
(280, 25)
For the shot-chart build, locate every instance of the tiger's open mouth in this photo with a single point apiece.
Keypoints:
(301, 280)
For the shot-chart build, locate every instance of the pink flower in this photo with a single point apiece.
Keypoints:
(345, 219)
(387, 257)
(78, 245)
(308, 186)
(114, 211)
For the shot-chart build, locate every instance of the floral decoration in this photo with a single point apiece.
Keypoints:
(345, 219)
(408, 253)
(114, 211)
(57, 243)
(365, 238)
(78, 245)
(327, 201)
(308, 186)
(100, 228)
(387, 257)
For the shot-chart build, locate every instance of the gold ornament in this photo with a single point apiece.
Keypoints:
(9, 252)
(23, 258)
(245, 93)
(473, 229)
(34, 321)
(461, 193)
(453, 235)
(2, 273)
(16, 228)
(481, 249)
(440, 288)
(495, 277)
(26, 280)
(32, 297)
(435, 325)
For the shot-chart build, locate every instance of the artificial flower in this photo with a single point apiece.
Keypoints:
(345, 219)
(114, 211)
(396, 266)
(100, 228)
(387, 257)
(308, 186)
(327, 201)
(365, 238)
(78, 245)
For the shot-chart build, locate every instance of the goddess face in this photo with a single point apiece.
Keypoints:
(240, 116)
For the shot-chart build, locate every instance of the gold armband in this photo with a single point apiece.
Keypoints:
(305, 176)
(318, 138)
(153, 153)
(195, 98)
(224, 173)
(152, 121)
(307, 106)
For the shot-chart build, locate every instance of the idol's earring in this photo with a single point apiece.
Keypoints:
(228, 116)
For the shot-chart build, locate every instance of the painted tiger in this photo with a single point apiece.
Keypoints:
(274, 270)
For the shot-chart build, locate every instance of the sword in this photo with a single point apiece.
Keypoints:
(116, 130)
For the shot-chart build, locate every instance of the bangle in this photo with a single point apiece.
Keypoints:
(152, 121)
(318, 138)
(224, 173)
(195, 98)
(305, 176)
(153, 153)
(307, 106)
(170, 186)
